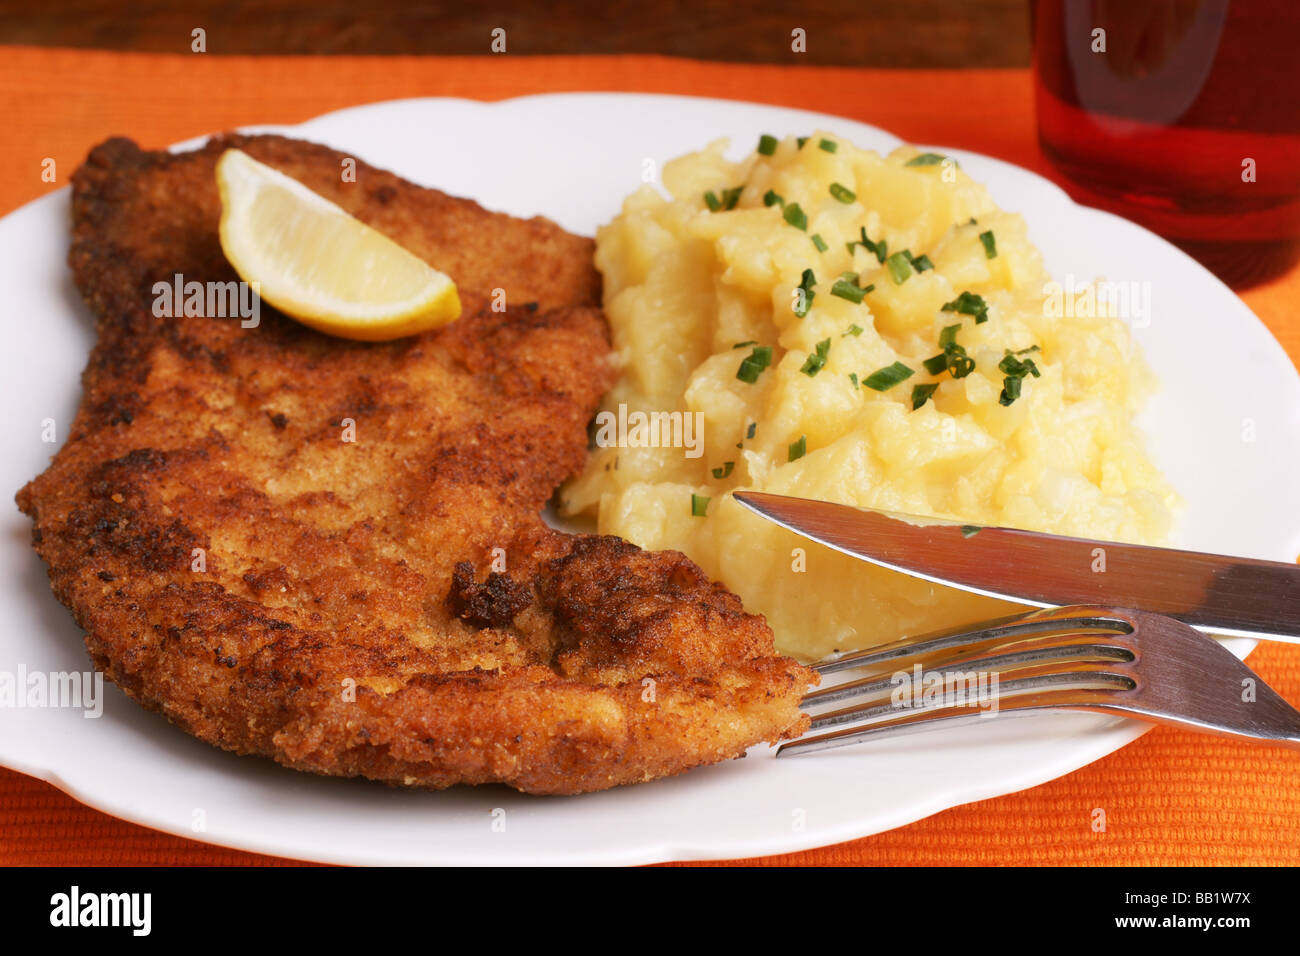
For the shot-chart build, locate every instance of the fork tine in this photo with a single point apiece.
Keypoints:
(1081, 649)
(917, 721)
(960, 639)
(1039, 675)
(1152, 667)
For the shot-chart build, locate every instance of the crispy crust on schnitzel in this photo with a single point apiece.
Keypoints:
(330, 553)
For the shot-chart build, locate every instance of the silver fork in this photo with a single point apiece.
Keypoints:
(1089, 658)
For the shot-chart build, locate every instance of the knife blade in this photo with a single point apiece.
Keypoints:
(1243, 597)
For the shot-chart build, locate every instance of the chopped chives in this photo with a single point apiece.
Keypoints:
(1010, 365)
(848, 290)
(1015, 370)
(795, 216)
(922, 263)
(728, 200)
(699, 505)
(829, 145)
(803, 302)
(1010, 390)
(886, 378)
(853, 377)
(937, 364)
(725, 470)
(767, 144)
(953, 358)
(819, 242)
(921, 394)
(816, 361)
(801, 140)
(969, 530)
(990, 244)
(899, 268)
(754, 363)
(968, 303)
(741, 345)
(772, 198)
(843, 193)
(959, 363)
(854, 330)
(926, 159)
(798, 449)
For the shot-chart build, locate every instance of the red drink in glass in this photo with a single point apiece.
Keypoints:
(1182, 115)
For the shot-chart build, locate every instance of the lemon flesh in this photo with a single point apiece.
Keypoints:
(313, 261)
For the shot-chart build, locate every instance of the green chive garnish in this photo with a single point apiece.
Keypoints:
(847, 289)
(767, 144)
(921, 394)
(959, 363)
(741, 345)
(990, 244)
(725, 470)
(1010, 365)
(699, 505)
(855, 330)
(801, 140)
(968, 303)
(899, 267)
(936, 365)
(828, 145)
(728, 200)
(1015, 370)
(795, 216)
(886, 378)
(798, 449)
(752, 367)
(804, 301)
(953, 358)
(771, 198)
(853, 377)
(921, 263)
(969, 530)
(819, 242)
(816, 361)
(843, 193)
(926, 159)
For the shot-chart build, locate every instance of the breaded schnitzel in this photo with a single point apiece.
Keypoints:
(277, 585)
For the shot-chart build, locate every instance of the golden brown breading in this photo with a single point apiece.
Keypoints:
(276, 589)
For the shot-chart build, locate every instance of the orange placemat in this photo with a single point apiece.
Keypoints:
(1170, 798)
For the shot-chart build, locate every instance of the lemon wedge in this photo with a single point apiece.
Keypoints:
(314, 262)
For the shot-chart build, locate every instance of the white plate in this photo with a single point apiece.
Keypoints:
(573, 158)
